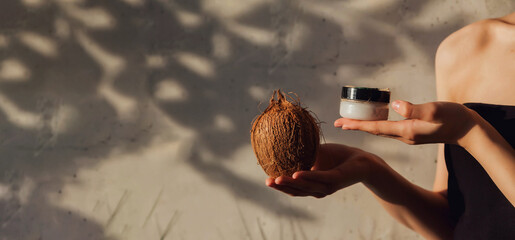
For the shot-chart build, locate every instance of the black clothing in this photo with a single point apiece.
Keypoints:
(478, 207)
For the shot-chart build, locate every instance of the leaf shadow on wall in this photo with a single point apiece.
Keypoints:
(107, 71)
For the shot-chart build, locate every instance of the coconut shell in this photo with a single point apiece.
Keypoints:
(285, 137)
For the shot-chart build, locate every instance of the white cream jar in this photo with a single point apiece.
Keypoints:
(364, 103)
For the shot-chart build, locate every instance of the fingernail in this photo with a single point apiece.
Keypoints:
(277, 181)
(396, 105)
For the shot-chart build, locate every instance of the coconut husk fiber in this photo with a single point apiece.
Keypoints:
(285, 137)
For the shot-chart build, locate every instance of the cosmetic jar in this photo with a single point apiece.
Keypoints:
(364, 103)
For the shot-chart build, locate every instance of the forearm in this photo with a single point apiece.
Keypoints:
(494, 154)
(424, 211)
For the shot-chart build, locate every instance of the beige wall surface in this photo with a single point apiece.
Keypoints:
(130, 119)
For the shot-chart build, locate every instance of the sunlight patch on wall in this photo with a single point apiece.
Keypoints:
(221, 46)
(257, 36)
(4, 41)
(369, 5)
(62, 28)
(39, 43)
(112, 65)
(351, 19)
(18, 117)
(198, 64)
(155, 61)
(5, 192)
(63, 119)
(223, 123)
(94, 18)
(230, 8)
(134, 3)
(33, 3)
(296, 36)
(12, 70)
(170, 90)
(124, 106)
(26, 188)
(188, 19)
(258, 93)
(506, 6)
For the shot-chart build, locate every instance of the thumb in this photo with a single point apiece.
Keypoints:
(408, 110)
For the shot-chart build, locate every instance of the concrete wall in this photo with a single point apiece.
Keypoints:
(129, 119)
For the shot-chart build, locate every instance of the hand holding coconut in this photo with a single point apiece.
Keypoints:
(337, 166)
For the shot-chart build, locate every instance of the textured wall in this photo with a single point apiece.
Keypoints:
(129, 119)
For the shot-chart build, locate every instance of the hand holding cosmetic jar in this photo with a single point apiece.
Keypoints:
(364, 103)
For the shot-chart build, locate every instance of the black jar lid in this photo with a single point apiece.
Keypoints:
(366, 94)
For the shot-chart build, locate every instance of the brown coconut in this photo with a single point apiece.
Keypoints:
(285, 137)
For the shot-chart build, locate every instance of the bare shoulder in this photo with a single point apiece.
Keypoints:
(462, 57)
(454, 52)
(465, 42)
(477, 36)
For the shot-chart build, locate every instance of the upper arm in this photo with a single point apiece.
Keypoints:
(446, 67)
(445, 61)
(451, 70)
(441, 176)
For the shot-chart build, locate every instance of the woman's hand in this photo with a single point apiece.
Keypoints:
(336, 167)
(435, 122)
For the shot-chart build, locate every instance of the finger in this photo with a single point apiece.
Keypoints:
(314, 187)
(290, 191)
(337, 178)
(389, 128)
(338, 123)
(287, 189)
(327, 178)
(425, 112)
(404, 140)
(270, 181)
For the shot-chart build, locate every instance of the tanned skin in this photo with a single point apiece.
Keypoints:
(474, 64)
